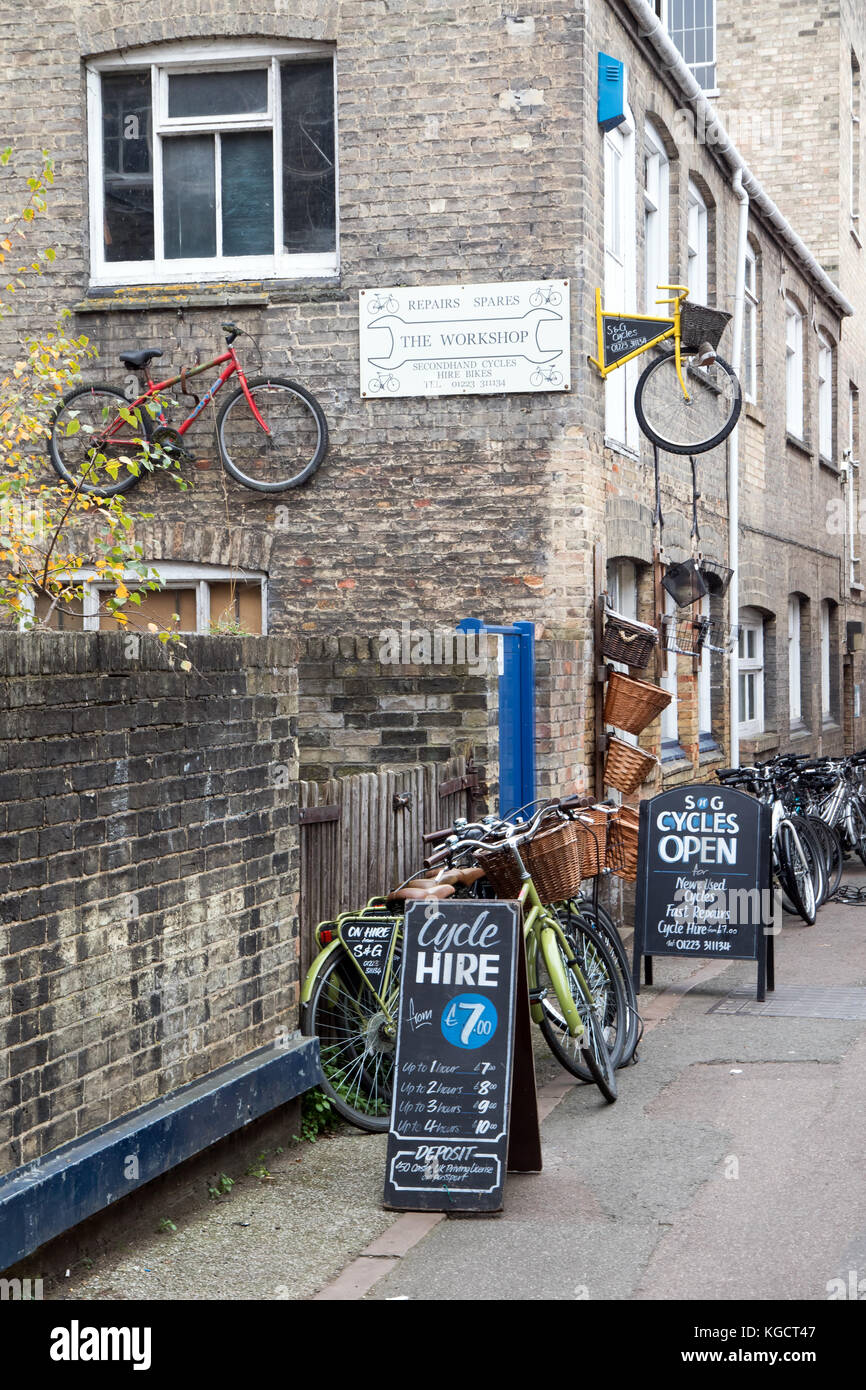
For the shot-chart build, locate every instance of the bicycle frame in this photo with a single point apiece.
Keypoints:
(670, 328)
(539, 923)
(229, 357)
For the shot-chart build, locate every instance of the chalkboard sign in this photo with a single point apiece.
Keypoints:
(370, 942)
(704, 882)
(448, 1143)
(622, 335)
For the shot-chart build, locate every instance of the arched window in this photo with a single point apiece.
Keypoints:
(751, 672)
(657, 228)
(793, 368)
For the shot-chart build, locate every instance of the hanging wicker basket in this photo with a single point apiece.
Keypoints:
(501, 869)
(622, 844)
(592, 824)
(553, 859)
(632, 704)
(626, 766)
(628, 641)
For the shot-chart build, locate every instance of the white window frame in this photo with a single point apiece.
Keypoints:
(854, 146)
(751, 665)
(622, 596)
(620, 276)
(164, 61)
(698, 245)
(825, 396)
(793, 369)
(795, 664)
(826, 686)
(657, 216)
(705, 683)
(174, 574)
(750, 327)
(851, 468)
(670, 731)
(705, 72)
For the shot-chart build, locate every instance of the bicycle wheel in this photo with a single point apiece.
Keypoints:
(357, 1040)
(795, 874)
(687, 426)
(288, 452)
(603, 925)
(600, 1003)
(857, 830)
(834, 859)
(814, 852)
(77, 443)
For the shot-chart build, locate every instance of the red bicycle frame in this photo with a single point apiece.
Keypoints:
(154, 388)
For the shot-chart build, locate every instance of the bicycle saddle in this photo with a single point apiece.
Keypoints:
(139, 359)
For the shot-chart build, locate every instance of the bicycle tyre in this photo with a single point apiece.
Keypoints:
(298, 433)
(834, 859)
(602, 923)
(655, 416)
(65, 450)
(858, 831)
(814, 852)
(357, 1057)
(795, 874)
(593, 1062)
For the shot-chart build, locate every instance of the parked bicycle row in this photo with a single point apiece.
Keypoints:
(818, 820)
(548, 857)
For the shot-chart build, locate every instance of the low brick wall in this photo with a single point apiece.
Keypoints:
(148, 872)
(359, 713)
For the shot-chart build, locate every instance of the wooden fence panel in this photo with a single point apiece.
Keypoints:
(372, 838)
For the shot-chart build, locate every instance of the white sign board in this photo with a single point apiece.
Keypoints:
(454, 340)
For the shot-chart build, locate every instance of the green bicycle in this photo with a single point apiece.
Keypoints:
(350, 1000)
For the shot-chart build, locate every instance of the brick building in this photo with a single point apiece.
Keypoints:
(427, 144)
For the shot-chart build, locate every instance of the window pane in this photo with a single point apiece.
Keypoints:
(248, 193)
(127, 168)
(189, 196)
(218, 93)
(309, 185)
(158, 607)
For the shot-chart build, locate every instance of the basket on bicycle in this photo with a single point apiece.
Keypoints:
(500, 868)
(626, 766)
(632, 704)
(699, 324)
(628, 641)
(592, 823)
(553, 859)
(622, 843)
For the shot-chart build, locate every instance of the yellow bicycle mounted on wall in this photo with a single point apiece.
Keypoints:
(688, 399)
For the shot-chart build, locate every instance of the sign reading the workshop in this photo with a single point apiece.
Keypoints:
(448, 1141)
(704, 875)
(453, 340)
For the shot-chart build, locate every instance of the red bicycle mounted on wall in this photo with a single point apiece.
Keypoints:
(271, 433)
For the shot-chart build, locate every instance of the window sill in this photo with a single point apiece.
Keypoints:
(799, 730)
(855, 235)
(829, 724)
(123, 299)
(672, 753)
(829, 466)
(753, 412)
(623, 449)
(760, 743)
(799, 444)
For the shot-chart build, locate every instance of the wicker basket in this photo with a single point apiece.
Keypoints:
(593, 823)
(500, 867)
(622, 843)
(700, 324)
(553, 858)
(626, 766)
(627, 641)
(632, 704)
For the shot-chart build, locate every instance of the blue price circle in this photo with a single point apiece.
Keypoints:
(469, 1020)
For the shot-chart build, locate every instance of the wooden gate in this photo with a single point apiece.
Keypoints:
(361, 835)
